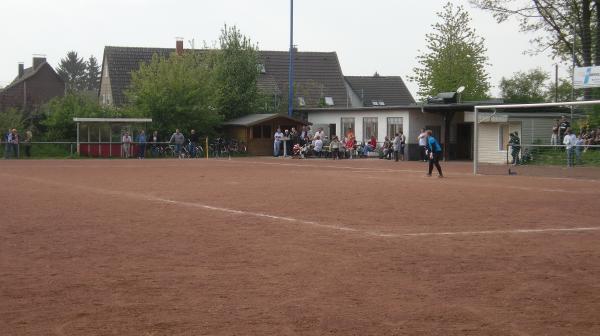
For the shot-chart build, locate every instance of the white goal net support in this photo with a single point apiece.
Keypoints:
(529, 139)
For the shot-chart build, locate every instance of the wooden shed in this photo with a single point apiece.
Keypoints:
(257, 130)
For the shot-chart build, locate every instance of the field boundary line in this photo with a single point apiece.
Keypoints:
(296, 220)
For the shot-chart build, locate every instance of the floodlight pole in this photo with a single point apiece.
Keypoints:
(291, 66)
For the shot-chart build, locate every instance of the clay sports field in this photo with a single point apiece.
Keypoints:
(264, 246)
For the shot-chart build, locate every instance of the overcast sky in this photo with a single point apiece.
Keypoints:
(368, 36)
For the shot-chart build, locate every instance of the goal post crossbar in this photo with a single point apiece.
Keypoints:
(477, 108)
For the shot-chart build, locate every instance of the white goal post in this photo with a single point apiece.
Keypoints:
(493, 108)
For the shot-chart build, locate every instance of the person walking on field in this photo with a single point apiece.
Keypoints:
(434, 151)
(27, 142)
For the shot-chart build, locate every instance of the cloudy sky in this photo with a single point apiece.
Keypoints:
(368, 36)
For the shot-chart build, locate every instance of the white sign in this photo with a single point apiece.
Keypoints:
(586, 77)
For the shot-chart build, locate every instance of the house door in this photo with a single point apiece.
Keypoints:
(332, 130)
(464, 141)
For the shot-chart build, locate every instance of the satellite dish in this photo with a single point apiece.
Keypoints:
(460, 89)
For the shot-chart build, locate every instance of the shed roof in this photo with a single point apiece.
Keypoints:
(255, 119)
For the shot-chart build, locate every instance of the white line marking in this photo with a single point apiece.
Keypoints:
(296, 220)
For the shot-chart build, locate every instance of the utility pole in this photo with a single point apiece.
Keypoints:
(291, 66)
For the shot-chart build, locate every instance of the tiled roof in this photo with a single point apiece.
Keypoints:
(317, 74)
(390, 90)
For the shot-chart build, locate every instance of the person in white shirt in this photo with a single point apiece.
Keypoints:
(318, 146)
(422, 144)
(126, 144)
(570, 141)
(320, 134)
(277, 142)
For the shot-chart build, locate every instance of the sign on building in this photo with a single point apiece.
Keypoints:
(586, 77)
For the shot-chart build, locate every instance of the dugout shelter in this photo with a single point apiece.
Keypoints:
(101, 137)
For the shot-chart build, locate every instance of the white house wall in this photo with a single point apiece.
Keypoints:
(489, 141)
(324, 118)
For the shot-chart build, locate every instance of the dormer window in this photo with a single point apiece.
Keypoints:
(301, 101)
(378, 103)
(261, 68)
(329, 101)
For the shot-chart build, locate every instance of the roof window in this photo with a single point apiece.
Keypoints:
(301, 101)
(329, 101)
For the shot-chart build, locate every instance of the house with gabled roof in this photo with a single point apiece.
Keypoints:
(32, 87)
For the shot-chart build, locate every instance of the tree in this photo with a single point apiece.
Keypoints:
(72, 69)
(235, 73)
(176, 92)
(92, 74)
(10, 119)
(59, 113)
(554, 22)
(525, 87)
(455, 57)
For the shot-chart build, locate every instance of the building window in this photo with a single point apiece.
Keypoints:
(503, 137)
(329, 101)
(301, 101)
(348, 126)
(378, 103)
(261, 68)
(256, 132)
(394, 125)
(369, 128)
(266, 132)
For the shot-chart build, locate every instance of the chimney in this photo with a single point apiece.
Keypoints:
(179, 46)
(38, 60)
(21, 69)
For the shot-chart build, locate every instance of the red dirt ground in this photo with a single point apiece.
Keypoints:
(264, 246)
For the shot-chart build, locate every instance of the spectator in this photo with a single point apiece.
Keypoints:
(141, 140)
(387, 149)
(554, 138)
(370, 146)
(579, 147)
(350, 133)
(320, 133)
(350, 143)
(194, 140)
(396, 143)
(318, 146)
(154, 141)
(126, 140)
(570, 141)
(178, 139)
(277, 142)
(27, 142)
(12, 144)
(294, 136)
(514, 143)
(7, 144)
(562, 128)
(422, 138)
(335, 147)
(287, 142)
(434, 152)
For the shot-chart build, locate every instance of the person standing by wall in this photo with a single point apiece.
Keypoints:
(142, 145)
(554, 137)
(562, 128)
(515, 148)
(422, 138)
(126, 140)
(434, 151)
